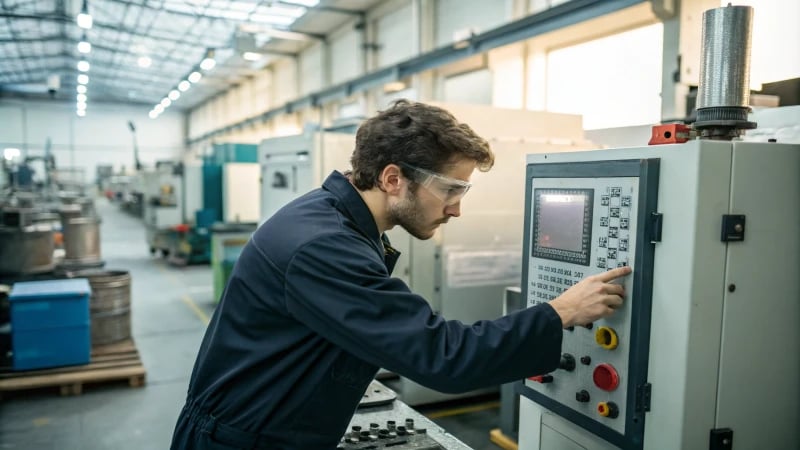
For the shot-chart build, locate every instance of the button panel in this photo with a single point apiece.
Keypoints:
(612, 235)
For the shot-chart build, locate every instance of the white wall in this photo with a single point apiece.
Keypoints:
(394, 36)
(102, 137)
(346, 54)
(453, 16)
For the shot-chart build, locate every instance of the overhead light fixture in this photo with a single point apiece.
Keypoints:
(81, 89)
(84, 46)
(306, 3)
(165, 102)
(153, 114)
(251, 56)
(174, 95)
(144, 62)
(393, 86)
(83, 66)
(194, 77)
(10, 153)
(208, 62)
(80, 105)
(81, 112)
(184, 86)
(81, 98)
(83, 78)
(84, 18)
(159, 109)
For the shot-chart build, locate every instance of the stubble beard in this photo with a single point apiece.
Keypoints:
(407, 215)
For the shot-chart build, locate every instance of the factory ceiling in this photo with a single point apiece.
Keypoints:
(141, 50)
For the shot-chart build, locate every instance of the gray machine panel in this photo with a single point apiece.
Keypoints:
(582, 220)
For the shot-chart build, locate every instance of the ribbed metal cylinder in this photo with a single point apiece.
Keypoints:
(26, 250)
(725, 68)
(82, 240)
(110, 305)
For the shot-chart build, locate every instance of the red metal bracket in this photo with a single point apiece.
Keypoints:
(672, 133)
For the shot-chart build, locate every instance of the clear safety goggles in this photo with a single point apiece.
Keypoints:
(449, 190)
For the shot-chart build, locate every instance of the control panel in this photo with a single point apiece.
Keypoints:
(583, 219)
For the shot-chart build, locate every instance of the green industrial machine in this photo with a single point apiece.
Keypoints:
(227, 242)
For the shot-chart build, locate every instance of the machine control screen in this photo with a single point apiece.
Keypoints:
(563, 225)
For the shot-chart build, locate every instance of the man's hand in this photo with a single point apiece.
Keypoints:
(592, 298)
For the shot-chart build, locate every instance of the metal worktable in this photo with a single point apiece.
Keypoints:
(396, 426)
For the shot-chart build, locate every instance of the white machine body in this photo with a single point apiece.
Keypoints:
(294, 165)
(704, 352)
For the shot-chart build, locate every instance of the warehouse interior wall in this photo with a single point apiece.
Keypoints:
(83, 144)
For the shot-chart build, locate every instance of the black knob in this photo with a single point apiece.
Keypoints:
(589, 326)
(586, 360)
(571, 328)
(567, 362)
(582, 396)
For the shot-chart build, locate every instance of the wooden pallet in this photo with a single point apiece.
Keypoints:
(113, 362)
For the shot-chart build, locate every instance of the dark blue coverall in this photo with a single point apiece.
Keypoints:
(309, 315)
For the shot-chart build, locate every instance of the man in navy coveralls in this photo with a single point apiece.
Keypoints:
(311, 311)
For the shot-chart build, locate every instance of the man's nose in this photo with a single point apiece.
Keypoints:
(453, 210)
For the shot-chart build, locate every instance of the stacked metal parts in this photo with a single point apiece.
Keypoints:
(724, 91)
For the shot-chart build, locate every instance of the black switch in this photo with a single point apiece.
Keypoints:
(582, 396)
(567, 362)
(586, 360)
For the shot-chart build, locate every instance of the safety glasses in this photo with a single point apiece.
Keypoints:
(448, 190)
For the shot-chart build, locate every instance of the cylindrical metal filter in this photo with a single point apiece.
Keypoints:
(110, 305)
(82, 240)
(724, 93)
(26, 250)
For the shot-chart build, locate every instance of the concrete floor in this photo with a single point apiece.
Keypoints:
(170, 308)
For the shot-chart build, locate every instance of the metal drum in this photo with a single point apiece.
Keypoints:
(82, 241)
(26, 250)
(110, 304)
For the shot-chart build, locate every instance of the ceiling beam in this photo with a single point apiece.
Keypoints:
(161, 9)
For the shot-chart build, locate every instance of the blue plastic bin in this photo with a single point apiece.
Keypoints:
(50, 324)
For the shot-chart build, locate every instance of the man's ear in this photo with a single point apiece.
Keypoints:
(391, 179)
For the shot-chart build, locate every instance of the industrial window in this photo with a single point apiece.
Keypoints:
(614, 81)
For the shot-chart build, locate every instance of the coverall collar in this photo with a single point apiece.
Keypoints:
(351, 203)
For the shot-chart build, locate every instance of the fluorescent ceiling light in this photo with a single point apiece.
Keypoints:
(80, 105)
(83, 78)
(83, 66)
(11, 153)
(144, 61)
(251, 56)
(153, 114)
(184, 86)
(158, 108)
(174, 95)
(165, 102)
(81, 89)
(208, 64)
(307, 3)
(81, 112)
(194, 77)
(84, 21)
(81, 98)
(84, 46)
(278, 10)
(271, 19)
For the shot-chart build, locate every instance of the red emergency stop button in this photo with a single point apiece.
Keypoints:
(605, 377)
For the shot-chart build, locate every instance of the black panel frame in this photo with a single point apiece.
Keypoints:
(647, 170)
